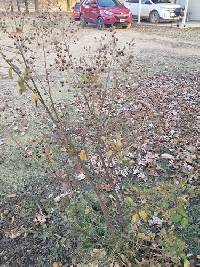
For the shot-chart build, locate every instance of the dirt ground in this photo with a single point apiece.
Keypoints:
(158, 52)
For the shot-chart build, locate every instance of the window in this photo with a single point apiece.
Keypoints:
(161, 1)
(133, 1)
(109, 3)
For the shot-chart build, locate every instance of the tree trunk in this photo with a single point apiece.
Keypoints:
(18, 6)
(68, 5)
(36, 5)
(26, 6)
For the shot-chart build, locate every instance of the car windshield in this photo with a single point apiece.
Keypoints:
(161, 1)
(108, 3)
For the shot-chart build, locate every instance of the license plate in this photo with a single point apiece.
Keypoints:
(122, 20)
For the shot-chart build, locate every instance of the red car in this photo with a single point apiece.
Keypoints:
(105, 13)
(76, 11)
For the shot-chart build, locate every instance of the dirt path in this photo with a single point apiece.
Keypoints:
(145, 40)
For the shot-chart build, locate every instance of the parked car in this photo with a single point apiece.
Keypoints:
(156, 10)
(105, 13)
(76, 11)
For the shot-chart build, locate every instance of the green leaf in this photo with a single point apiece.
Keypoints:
(176, 218)
(128, 201)
(182, 212)
(10, 73)
(184, 221)
(22, 86)
(165, 205)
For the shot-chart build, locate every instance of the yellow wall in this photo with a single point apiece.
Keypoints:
(64, 5)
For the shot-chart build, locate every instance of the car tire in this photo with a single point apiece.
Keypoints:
(100, 24)
(82, 21)
(154, 17)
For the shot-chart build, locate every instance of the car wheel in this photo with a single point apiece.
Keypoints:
(154, 17)
(100, 24)
(82, 21)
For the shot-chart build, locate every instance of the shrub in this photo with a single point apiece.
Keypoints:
(124, 176)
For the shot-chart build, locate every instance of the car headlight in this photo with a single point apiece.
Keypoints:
(109, 13)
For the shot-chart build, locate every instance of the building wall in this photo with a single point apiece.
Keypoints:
(193, 9)
(57, 5)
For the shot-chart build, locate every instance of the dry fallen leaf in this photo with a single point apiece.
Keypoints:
(167, 156)
(57, 264)
(104, 186)
(13, 233)
(11, 195)
(141, 263)
(97, 252)
(40, 218)
(152, 169)
(83, 155)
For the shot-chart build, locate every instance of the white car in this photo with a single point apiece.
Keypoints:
(155, 10)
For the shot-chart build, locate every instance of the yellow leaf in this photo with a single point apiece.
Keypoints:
(117, 145)
(9, 141)
(57, 264)
(22, 86)
(87, 211)
(27, 74)
(103, 138)
(34, 97)
(135, 218)
(10, 73)
(142, 236)
(128, 201)
(83, 155)
(109, 153)
(143, 215)
(186, 263)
